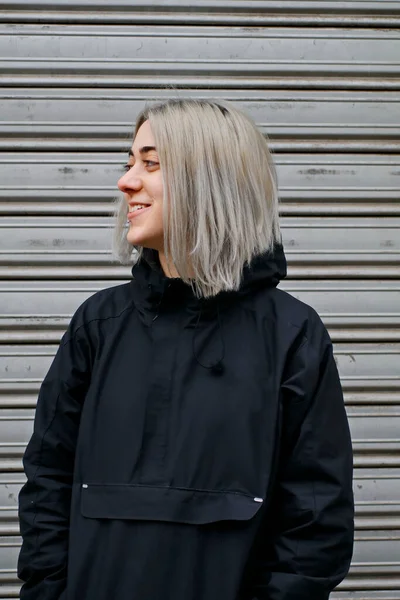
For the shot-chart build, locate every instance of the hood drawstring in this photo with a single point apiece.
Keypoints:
(217, 367)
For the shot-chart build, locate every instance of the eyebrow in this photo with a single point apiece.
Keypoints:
(143, 150)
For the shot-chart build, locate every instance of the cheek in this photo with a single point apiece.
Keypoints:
(159, 191)
(158, 216)
(156, 185)
(158, 195)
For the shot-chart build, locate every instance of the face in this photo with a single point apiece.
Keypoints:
(142, 187)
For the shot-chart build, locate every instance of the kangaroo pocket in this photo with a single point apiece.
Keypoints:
(153, 503)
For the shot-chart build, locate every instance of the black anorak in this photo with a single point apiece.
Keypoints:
(189, 449)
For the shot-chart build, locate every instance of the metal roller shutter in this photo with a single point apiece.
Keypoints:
(322, 78)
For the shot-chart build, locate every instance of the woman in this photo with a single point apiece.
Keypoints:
(190, 440)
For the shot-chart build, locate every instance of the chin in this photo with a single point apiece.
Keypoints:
(136, 238)
(144, 241)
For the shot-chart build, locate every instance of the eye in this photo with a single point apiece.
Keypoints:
(149, 164)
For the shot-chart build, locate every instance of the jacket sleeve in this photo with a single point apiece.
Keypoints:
(309, 527)
(44, 501)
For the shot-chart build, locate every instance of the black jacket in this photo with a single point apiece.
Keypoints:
(189, 449)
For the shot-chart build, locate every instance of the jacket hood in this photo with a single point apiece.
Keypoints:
(265, 270)
(151, 287)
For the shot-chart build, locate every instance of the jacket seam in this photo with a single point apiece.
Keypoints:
(37, 547)
(169, 487)
(304, 338)
(73, 335)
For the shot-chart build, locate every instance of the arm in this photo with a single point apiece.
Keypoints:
(310, 519)
(44, 501)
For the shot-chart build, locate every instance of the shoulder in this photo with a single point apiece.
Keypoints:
(298, 323)
(106, 304)
(296, 311)
(306, 348)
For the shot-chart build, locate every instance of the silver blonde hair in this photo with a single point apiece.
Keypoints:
(220, 193)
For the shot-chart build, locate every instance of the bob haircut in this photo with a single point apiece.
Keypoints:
(220, 206)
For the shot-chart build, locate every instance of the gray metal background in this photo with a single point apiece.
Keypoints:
(322, 78)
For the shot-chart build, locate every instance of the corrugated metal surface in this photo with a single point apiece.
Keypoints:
(322, 79)
(142, 56)
(295, 120)
(380, 13)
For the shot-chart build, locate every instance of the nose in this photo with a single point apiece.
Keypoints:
(130, 182)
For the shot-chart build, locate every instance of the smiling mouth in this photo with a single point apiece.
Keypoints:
(138, 210)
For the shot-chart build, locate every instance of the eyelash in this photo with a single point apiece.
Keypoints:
(148, 163)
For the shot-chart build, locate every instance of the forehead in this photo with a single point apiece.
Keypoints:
(144, 137)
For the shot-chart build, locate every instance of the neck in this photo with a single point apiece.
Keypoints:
(169, 270)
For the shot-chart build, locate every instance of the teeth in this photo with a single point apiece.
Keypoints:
(137, 207)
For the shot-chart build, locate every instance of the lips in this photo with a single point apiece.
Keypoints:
(137, 212)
